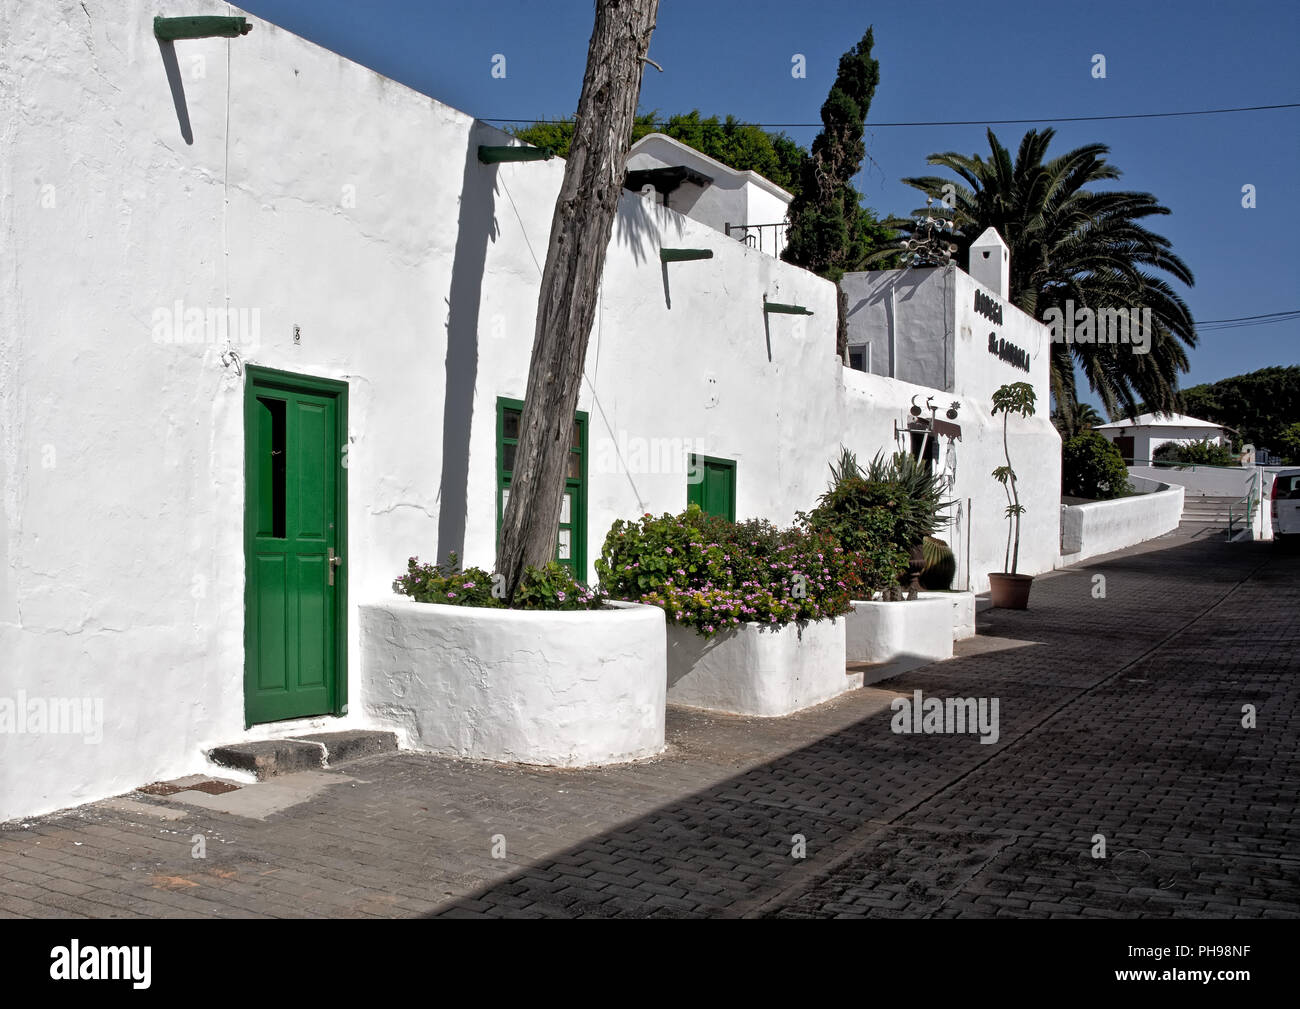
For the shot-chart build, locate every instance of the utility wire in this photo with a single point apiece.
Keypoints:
(1241, 322)
(977, 122)
(1246, 318)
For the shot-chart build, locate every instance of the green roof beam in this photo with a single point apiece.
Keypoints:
(778, 309)
(495, 155)
(683, 255)
(174, 29)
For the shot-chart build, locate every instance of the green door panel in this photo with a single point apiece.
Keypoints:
(295, 505)
(714, 490)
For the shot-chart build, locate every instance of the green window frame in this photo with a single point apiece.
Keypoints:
(573, 513)
(715, 492)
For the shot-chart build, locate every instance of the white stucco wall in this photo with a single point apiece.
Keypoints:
(1101, 527)
(358, 212)
(905, 316)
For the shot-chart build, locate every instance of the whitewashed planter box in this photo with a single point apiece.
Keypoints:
(568, 689)
(963, 611)
(902, 635)
(756, 670)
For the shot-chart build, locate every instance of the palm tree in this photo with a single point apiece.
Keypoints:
(1072, 243)
(1083, 418)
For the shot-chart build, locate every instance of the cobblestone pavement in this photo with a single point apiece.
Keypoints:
(1119, 716)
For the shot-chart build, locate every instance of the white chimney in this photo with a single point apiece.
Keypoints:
(990, 263)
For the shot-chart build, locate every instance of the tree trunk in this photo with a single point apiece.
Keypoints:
(842, 323)
(575, 260)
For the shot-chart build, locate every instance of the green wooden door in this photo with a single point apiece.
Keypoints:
(712, 486)
(294, 545)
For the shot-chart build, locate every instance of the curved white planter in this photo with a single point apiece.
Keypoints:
(903, 634)
(756, 670)
(568, 689)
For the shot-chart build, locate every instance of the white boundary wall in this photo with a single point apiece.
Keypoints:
(358, 212)
(1101, 527)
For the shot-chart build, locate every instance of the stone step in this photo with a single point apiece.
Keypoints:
(270, 758)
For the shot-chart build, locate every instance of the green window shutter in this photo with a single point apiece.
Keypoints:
(571, 541)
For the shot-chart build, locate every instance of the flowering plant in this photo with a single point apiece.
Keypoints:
(710, 574)
(551, 587)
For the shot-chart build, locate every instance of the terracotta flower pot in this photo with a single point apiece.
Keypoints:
(1010, 592)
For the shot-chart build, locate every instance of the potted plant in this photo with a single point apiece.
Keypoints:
(1009, 589)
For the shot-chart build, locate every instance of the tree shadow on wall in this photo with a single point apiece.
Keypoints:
(476, 226)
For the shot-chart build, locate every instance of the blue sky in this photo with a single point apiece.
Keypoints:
(976, 61)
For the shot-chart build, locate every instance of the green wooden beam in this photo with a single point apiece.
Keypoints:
(171, 29)
(495, 155)
(683, 255)
(779, 309)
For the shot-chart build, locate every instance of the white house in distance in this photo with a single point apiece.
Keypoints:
(742, 205)
(264, 337)
(1139, 437)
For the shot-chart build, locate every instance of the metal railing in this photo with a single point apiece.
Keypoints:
(752, 236)
(1193, 466)
(1249, 502)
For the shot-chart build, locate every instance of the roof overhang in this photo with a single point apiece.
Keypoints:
(664, 180)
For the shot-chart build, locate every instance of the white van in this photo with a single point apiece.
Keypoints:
(1285, 501)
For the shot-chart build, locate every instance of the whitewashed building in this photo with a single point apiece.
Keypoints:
(1137, 438)
(261, 339)
(742, 205)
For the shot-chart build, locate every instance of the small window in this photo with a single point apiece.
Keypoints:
(711, 484)
(271, 447)
(857, 359)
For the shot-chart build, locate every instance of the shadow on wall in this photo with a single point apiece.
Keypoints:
(635, 221)
(177, 86)
(475, 227)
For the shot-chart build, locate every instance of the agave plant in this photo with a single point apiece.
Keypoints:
(919, 493)
(881, 513)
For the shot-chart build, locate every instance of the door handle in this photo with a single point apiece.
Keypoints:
(334, 562)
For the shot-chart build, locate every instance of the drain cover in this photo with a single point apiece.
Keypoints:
(170, 788)
(214, 787)
(160, 788)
